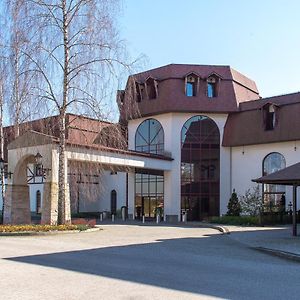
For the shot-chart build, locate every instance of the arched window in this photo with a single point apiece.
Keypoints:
(272, 194)
(149, 137)
(113, 202)
(38, 202)
(200, 168)
(269, 116)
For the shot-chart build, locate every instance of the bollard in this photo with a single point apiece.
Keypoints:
(143, 219)
(157, 219)
(123, 213)
(101, 217)
(112, 217)
(184, 217)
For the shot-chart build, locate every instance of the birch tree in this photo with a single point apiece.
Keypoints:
(22, 106)
(3, 71)
(77, 53)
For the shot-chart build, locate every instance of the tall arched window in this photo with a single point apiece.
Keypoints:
(113, 202)
(200, 168)
(272, 194)
(38, 201)
(149, 137)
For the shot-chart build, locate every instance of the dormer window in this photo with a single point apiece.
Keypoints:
(120, 97)
(151, 87)
(211, 87)
(191, 86)
(138, 90)
(270, 117)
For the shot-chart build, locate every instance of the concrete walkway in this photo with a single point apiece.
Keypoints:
(273, 240)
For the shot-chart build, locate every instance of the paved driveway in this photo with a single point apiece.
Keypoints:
(142, 262)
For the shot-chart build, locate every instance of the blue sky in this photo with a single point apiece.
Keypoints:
(261, 39)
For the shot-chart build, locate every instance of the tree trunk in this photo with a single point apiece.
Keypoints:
(62, 218)
(62, 170)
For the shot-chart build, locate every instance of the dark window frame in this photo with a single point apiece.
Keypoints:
(200, 167)
(150, 146)
(212, 87)
(270, 191)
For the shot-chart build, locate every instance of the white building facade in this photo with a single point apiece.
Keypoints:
(195, 133)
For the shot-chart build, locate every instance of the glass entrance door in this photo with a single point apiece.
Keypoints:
(149, 194)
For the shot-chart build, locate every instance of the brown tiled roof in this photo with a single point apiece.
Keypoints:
(247, 126)
(233, 88)
(81, 129)
(204, 71)
(286, 176)
(278, 100)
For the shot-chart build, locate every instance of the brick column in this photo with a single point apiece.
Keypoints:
(17, 205)
(50, 203)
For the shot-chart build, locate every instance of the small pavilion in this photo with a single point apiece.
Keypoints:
(287, 176)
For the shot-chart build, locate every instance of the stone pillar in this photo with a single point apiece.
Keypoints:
(131, 195)
(172, 196)
(50, 203)
(17, 205)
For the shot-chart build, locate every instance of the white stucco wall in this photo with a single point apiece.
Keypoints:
(33, 188)
(115, 182)
(96, 197)
(248, 165)
(172, 124)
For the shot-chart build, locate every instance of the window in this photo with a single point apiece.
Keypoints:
(138, 92)
(270, 118)
(120, 97)
(190, 86)
(113, 202)
(200, 168)
(149, 137)
(38, 202)
(151, 85)
(149, 193)
(211, 87)
(272, 194)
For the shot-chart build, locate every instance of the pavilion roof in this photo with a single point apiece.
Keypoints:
(286, 176)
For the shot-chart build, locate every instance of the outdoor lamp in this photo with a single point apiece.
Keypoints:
(38, 158)
(1, 164)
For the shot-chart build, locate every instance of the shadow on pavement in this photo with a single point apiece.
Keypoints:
(212, 265)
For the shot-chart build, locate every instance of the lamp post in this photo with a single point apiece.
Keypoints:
(40, 170)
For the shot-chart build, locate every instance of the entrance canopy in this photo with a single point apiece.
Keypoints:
(287, 176)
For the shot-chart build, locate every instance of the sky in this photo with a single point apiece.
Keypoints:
(260, 39)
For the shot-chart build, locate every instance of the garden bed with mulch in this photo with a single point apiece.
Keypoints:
(19, 230)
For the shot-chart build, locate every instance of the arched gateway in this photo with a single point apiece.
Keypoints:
(200, 168)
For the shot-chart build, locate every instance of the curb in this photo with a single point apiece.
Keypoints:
(279, 253)
(32, 233)
(222, 229)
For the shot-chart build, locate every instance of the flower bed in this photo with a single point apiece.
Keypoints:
(43, 228)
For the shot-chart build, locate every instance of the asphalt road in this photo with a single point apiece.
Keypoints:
(142, 262)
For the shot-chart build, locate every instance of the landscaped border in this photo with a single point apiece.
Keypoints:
(27, 230)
